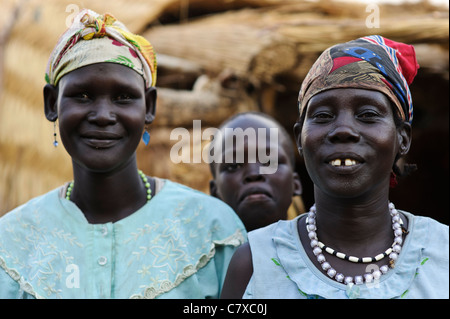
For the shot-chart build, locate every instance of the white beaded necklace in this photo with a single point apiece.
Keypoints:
(393, 251)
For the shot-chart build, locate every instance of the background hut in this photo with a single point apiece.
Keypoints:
(217, 58)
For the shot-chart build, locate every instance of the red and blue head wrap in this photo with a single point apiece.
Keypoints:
(373, 63)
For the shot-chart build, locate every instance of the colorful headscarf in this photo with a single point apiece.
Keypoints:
(94, 38)
(373, 63)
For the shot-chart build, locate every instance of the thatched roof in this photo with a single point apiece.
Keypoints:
(215, 58)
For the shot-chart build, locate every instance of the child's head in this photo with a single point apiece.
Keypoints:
(100, 86)
(258, 198)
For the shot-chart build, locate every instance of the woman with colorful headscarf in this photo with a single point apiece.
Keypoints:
(112, 232)
(355, 125)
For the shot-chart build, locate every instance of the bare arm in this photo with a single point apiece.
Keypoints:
(239, 273)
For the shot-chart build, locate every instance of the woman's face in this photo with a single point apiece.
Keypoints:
(349, 141)
(102, 112)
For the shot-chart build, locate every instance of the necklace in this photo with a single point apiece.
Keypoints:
(141, 174)
(392, 252)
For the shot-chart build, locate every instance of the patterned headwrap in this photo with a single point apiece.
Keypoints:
(94, 38)
(373, 63)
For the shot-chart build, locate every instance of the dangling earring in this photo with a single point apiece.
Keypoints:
(393, 180)
(146, 136)
(55, 142)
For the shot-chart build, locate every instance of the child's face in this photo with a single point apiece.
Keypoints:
(101, 111)
(258, 199)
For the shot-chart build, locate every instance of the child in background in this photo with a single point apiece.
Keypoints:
(259, 199)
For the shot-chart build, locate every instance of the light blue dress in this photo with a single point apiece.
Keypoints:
(282, 269)
(178, 245)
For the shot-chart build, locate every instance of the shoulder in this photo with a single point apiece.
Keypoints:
(205, 202)
(210, 214)
(30, 211)
(180, 189)
(253, 262)
(243, 258)
(428, 227)
(239, 273)
(21, 229)
(434, 236)
(30, 217)
(268, 244)
(426, 257)
(264, 236)
(430, 242)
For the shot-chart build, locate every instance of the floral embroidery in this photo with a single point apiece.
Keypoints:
(166, 256)
(160, 286)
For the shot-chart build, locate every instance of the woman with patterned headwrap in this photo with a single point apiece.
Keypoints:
(112, 232)
(354, 127)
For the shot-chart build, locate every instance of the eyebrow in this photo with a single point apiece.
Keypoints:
(117, 85)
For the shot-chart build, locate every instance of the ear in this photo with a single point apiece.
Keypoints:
(150, 105)
(213, 189)
(51, 102)
(404, 135)
(298, 188)
(298, 136)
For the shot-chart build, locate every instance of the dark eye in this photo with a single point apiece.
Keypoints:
(322, 117)
(368, 115)
(231, 167)
(123, 97)
(83, 97)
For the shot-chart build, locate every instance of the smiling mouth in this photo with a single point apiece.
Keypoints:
(100, 143)
(101, 140)
(343, 162)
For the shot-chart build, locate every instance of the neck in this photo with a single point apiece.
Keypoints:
(353, 223)
(108, 196)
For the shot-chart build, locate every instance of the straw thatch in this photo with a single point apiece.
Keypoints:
(215, 58)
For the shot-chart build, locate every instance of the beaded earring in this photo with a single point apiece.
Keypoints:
(55, 142)
(146, 137)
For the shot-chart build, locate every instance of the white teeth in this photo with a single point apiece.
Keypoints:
(336, 162)
(347, 162)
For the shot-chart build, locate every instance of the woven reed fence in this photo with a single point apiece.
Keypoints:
(215, 58)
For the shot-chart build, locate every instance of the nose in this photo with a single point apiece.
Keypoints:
(344, 130)
(102, 113)
(252, 174)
